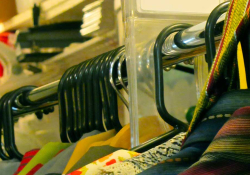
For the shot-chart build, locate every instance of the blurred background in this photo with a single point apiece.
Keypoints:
(41, 39)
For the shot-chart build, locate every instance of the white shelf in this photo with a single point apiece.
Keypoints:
(51, 11)
(54, 68)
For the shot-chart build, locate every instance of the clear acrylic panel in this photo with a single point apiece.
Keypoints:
(143, 23)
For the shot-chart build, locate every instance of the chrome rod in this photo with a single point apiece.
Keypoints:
(43, 92)
(192, 39)
(50, 90)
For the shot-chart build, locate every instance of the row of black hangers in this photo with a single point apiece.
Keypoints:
(87, 95)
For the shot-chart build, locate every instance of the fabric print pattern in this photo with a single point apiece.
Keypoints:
(108, 160)
(146, 160)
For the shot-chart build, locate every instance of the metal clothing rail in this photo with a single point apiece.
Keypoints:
(47, 94)
(49, 90)
(188, 43)
(180, 46)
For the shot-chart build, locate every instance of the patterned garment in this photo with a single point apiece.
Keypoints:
(147, 159)
(191, 151)
(229, 152)
(26, 159)
(236, 21)
(110, 159)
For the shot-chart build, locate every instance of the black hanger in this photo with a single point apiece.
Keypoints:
(87, 77)
(105, 102)
(113, 76)
(68, 95)
(211, 31)
(101, 111)
(9, 135)
(82, 95)
(76, 102)
(3, 154)
(122, 71)
(112, 96)
(159, 85)
(96, 93)
(62, 108)
(86, 102)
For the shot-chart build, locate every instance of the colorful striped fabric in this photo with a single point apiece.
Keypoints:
(236, 21)
(26, 159)
(229, 152)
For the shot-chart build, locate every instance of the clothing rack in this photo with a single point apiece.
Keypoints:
(177, 44)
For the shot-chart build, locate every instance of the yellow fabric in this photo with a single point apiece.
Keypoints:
(241, 67)
(82, 146)
(101, 143)
(122, 138)
(149, 128)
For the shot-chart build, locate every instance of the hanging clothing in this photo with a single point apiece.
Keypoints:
(9, 166)
(92, 155)
(81, 147)
(234, 25)
(120, 140)
(229, 152)
(147, 159)
(43, 156)
(27, 157)
(58, 163)
(110, 159)
(192, 149)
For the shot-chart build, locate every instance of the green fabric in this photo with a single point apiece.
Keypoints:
(190, 114)
(44, 155)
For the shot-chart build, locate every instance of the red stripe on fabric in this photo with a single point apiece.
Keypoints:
(112, 161)
(77, 172)
(21, 167)
(59, 152)
(35, 169)
(1, 70)
(32, 152)
(248, 4)
(28, 156)
(220, 48)
(242, 111)
(25, 161)
(211, 79)
(236, 126)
